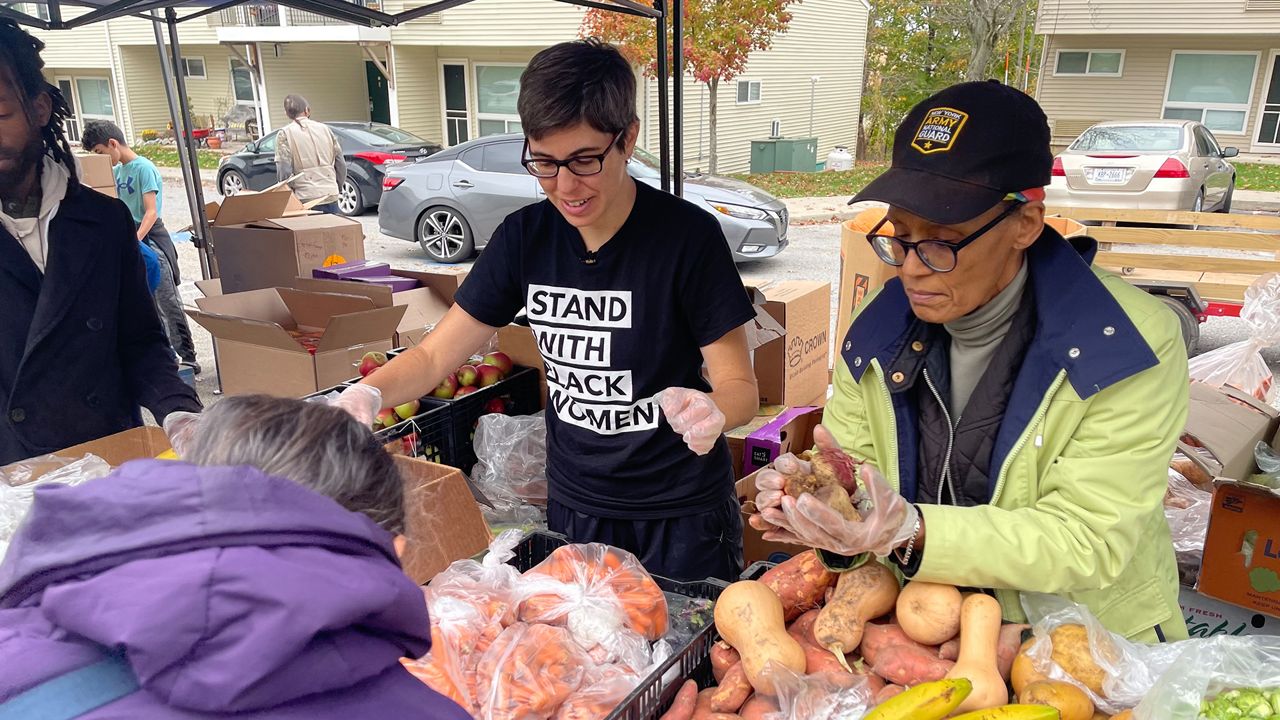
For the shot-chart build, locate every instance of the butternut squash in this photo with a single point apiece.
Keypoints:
(749, 616)
(929, 613)
(861, 595)
(979, 635)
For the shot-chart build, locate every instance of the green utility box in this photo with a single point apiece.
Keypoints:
(784, 155)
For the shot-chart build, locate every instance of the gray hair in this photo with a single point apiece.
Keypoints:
(295, 106)
(573, 82)
(321, 448)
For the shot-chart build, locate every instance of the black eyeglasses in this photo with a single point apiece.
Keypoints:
(937, 255)
(580, 165)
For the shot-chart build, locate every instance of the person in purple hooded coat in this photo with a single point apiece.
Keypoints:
(259, 579)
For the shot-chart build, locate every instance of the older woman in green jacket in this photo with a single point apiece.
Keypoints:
(1021, 404)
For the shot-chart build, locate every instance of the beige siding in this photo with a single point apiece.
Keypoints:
(1139, 17)
(491, 23)
(148, 108)
(331, 76)
(84, 47)
(827, 38)
(418, 91)
(1140, 92)
(135, 31)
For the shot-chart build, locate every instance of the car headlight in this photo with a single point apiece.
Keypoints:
(744, 212)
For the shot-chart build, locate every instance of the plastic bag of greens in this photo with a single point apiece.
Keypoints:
(1240, 365)
(1223, 677)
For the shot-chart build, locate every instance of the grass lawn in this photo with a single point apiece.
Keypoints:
(167, 156)
(1258, 177)
(821, 184)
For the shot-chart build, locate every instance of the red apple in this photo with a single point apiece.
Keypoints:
(495, 405)
(467, 375)
(447, 389)
(385, 419)
(372, 361)
(500, 361)
(407, 410)
(489, 375)
(466, 391)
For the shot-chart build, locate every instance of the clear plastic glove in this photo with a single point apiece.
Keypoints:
(694, 416)
(180, 427)
(888, 520)
(362, 402)
(770, 481)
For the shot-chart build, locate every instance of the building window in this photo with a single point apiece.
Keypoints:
(193, 68)
(497, 89)
(1214, 88)
(242, 83)
(95, 99)
(1102, 63)
(35, 10)
(748, 92)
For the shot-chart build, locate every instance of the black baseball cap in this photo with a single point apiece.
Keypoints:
(962, 151)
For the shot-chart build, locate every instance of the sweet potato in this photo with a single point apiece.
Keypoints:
(817, 660)
(759, 707)
(800, 583)
(732, 692)
(879, 636)
(1007, 649)
(888, 691)
(802, 628)
(723, 657)
(910, 665)
(832, 481)
(702, 710)
(949, 650)
(683, 706)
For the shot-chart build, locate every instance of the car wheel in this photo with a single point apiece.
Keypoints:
(350, 199)
(1226, 200)
(232, 183)
(1189, 323)
(1198, 205)
(444, 235)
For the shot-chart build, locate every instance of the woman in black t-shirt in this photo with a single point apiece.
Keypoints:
(629, 292)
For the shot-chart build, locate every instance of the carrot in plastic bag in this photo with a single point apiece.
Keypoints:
(599, 580)
(441, 670)
(529, 672)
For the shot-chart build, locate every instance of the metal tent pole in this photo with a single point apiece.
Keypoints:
(677, 114)
(198, 219)
(664, 100)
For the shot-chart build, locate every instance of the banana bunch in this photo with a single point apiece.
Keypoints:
(937, 700)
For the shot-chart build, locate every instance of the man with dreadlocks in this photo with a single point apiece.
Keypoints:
(81, 346)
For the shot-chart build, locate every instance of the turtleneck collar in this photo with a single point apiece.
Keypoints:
(987, 324)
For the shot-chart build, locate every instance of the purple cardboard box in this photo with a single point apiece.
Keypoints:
(791, 431)
(352, 270)
(395, 282)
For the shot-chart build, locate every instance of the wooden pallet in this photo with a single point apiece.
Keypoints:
(1222, 279)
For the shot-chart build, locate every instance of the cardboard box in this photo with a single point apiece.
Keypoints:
(862, 272)
(257, 353)
(1207, 617)
(397, 284)
(1241, 562)
(424, 305)
(790, 432)
(1230, 423)
(443, 523)
(794, 434)
(754, 547)
(138, 443)
(793, 369)
(264, 240)
(97, 173)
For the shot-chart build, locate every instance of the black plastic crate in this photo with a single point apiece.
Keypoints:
(693, 662)
(426, 435)
(520, 394)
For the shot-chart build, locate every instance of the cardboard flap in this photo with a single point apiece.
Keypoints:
(357, 328)
(314, 309)
(265, 305)
(311, 222)
(444, 281)
(250, 207)
(253, 332)
(210, 288)
(379, 294)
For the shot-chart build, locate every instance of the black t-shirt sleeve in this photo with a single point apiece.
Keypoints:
(713, 299)
(493, 292)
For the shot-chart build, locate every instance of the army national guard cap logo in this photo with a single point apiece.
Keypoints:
(939, 130)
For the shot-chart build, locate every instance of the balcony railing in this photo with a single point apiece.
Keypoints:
(272, 15)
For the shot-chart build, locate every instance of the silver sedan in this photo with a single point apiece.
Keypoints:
(451, 202)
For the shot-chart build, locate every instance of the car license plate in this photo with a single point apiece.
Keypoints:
(1108, 176)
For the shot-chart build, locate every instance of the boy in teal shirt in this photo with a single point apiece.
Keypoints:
(139, 185)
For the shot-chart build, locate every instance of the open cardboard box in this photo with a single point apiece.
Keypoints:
(424, 305)
(793, 369)
(1229, 424)
(96, 172)
(1241, 563)
(257, 354)
(794, 434)
(133, 444)
(443, 522)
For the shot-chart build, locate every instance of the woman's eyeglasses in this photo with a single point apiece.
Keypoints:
(937, 255)
(580, 165)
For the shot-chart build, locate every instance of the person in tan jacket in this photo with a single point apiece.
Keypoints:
(309, 150)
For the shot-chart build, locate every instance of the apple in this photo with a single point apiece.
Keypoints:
(407, 410)
(467, 375)
(372, 361)
(385, 419)
(466, 391)
(448, 388)
(489, 375)
(500, 361)
(495, 405)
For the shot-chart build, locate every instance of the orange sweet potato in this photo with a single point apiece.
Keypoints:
(887, 692)
(802, 628)
(800, 583)
(879, 636)
(685, 703)
(1007, 649)
(723, 657)
(910, 665)
(759, 707)
(950, 650)
(732, 692)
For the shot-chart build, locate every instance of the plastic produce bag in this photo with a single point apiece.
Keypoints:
(1186, 508)
(821, 696)
(489, 585)
(19, 481)
(511, 454)
(1205, 668)
(599, 695)
(529, 672)
(1130, 669)
(1240, 365)
(603, 596)
(1268, 465)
